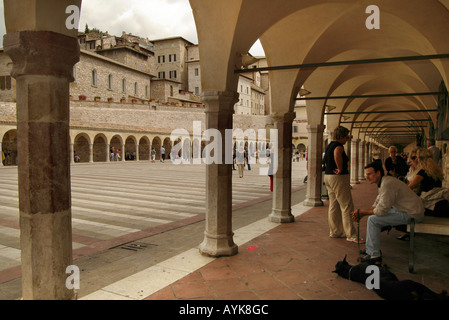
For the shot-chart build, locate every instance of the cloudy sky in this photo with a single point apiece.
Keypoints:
(152, 19)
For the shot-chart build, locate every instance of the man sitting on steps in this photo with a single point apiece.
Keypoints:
(395, 205)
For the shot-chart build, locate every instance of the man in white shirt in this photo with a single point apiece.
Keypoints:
(395, 205)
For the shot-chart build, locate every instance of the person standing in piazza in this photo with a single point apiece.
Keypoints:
(240, 161)
(162, 154)
(337, 182)
(153, 155)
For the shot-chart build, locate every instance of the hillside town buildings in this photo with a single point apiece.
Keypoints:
(130, 93)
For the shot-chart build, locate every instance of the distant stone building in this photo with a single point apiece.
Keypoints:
(172, 71)
(7, 83)
(97, 76)
(193, 69)
(128, 49)
(130, 93)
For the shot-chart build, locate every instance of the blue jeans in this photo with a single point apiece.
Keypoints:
(375, 224)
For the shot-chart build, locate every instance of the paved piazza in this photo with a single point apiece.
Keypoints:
(119, 199)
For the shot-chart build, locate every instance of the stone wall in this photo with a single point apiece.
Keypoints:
(126, 117)
(5, 71)
(104, 67)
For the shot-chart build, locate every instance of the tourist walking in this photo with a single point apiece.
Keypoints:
(240, 161)
(153, 155)
(162, 154)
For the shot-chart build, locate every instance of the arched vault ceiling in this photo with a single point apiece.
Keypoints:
(235, 25)
(379, 84)
(296, 32)
(407, 29)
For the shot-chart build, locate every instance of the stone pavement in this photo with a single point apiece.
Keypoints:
(275, 262)
(282, 262)
(295, 261)
(116, 205)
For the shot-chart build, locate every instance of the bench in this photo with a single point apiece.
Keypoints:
(430, 225)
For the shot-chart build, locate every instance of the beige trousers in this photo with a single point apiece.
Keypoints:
(340, 206)
(241, 167)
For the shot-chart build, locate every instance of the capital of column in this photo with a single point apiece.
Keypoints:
(283, 117)
(41, 53)
(220, 101)
(315, 128)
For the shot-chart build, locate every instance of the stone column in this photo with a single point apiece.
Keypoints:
(72, 154)
(282, 184)
(362, 160)
(368, 147)
(354, 161)
(42, 66)
(108, 152)
(314, 165)
(218, 236)
(91, 153)
(1, 150)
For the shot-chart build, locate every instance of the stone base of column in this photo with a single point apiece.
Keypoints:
(281, 216)
(218, 245)
(313, 203)
(46, 253)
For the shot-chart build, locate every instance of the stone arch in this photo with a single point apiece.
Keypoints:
(9, 147)
(167, 144)
(100, 149)
(187, 149)
(197, 150)
(130, 148)
(252, 149)
(116, 144)
(81, 147)
(301, 147)
(144, 148)
(156, 144)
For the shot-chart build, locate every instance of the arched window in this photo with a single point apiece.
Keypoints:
(123, 85)
(94, 77)
(110, 82)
